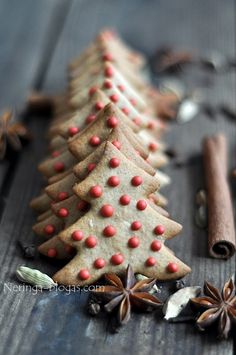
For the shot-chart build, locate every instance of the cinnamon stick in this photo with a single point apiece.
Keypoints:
(221, 230)
(38, 102)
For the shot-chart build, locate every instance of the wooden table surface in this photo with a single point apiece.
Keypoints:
(37, 39)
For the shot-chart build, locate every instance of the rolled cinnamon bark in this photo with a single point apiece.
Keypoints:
(40, 102)
(221, 230)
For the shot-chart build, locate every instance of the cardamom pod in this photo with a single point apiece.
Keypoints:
(201, 217)
(201, 197)
(154, 289)
(35, 277)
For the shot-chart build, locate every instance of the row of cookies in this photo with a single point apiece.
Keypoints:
(105, 121)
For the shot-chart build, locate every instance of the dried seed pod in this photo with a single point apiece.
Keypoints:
(179, 300)
(201, 197)
(35, 277)
(201, 216)
(154, 288)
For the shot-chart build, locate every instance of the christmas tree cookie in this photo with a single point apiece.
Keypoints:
(121, 226)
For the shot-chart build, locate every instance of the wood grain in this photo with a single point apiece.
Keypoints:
(56, 322)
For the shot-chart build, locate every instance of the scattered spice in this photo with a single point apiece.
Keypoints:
(179, 300)
(154, 288)
(179, 284)
(39, 102)
(188, 110)
(201, 217)
(166, 105)
(169, 61)
(173, 86)
(221, 230)
(217, 308)
(94, 306)
(29, 251)
(12, 134)
(201, 197)
(35, 277)
(127, 294)
(201, 211)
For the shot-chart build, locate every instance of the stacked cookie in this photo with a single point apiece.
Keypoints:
(102, 208)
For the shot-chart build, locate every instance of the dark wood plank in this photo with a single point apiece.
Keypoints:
(54, 322)
(25, 48)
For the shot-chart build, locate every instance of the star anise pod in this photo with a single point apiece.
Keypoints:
(218, 308)
(11, 133)
(167, 60)
(166, 105)
(127, 294)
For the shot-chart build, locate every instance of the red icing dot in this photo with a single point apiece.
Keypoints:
(73, 130)
(107, 84)
(113, 181)
(95, 191)
(133, 102)
(107, 210)
(150, 261)
(136, 180)
(125, 110)
(153, 147)
(63, 212)
(62, 196)
(133, 242)
(156, 245)
(114, 98)
(172, 267)
(90, 118)
(99, 105)
(108, 57)
(112, 122)
(52, 253)
(114, 162)
(109, 231)
(117, 259)
(91, 241)
(137, 121)
(125, 200)
(59, 167)
(92, 90)
(159, 230)
(109, 72)
(99, 263)
(49, 229)
(121, 88)
(82, 205)
(136, 225)
(55, 154)
(90, 167)
(117, 144)
(84, 274)
(141, 205)
(77, 235)
(94, 140)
